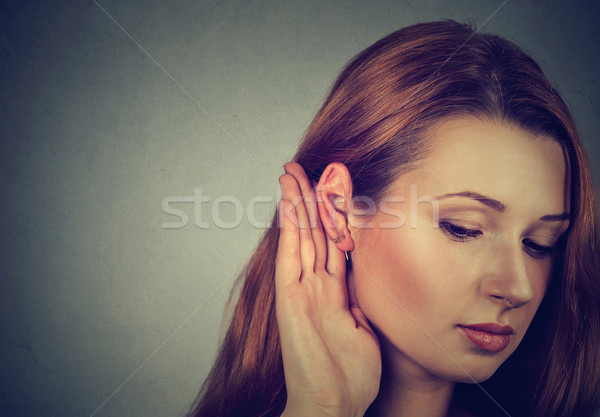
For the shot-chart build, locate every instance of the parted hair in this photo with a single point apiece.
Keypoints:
(375, 121)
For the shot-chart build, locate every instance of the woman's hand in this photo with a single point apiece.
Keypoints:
(331, 356)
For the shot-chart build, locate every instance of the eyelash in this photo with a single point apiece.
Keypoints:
(458, 233)
(462, 234)
(535, 250)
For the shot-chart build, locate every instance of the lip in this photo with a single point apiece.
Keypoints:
(488, 336)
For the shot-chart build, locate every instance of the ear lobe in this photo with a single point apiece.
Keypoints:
(334, 198)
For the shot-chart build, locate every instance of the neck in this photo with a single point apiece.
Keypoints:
(408, 390)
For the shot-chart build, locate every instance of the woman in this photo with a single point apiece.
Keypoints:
(452, 211)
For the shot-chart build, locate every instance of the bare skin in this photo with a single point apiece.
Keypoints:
(321, 336)
(483, 263)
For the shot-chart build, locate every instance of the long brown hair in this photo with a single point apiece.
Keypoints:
(374, 121)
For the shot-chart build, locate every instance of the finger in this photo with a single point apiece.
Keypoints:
(290, 191)
(287, 264)
(310, 199)
(353, 305)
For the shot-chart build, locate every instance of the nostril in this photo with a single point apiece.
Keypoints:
(502, 299)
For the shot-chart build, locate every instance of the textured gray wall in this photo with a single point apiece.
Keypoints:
(103, 311)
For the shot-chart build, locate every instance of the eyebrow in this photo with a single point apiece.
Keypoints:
(487, 201)
(556, 217)
(498, 206)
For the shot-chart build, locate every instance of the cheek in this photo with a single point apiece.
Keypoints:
(399, 271)
(540, 273)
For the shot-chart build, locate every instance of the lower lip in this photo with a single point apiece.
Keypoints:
(492, 342)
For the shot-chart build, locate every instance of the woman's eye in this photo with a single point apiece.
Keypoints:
(535, 250)
(459, 233)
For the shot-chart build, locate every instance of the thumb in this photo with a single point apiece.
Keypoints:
(355, 310)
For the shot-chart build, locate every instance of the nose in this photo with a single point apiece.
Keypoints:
(506, 279)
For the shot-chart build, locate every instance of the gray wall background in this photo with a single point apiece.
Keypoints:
(103, 311)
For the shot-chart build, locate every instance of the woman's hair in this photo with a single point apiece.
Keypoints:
(375, 121)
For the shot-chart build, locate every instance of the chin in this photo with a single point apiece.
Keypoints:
(473, 378)
(474, 373)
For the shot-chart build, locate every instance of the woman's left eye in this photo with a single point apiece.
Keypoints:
(459, 233)
(462, 234)
(535, 250)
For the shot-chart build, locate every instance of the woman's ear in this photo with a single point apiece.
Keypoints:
(334, 197)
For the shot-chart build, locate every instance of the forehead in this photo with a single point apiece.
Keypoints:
(495, 158)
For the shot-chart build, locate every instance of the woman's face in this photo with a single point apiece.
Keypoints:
(454, 297)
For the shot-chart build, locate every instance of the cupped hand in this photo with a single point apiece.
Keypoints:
(331, 357)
